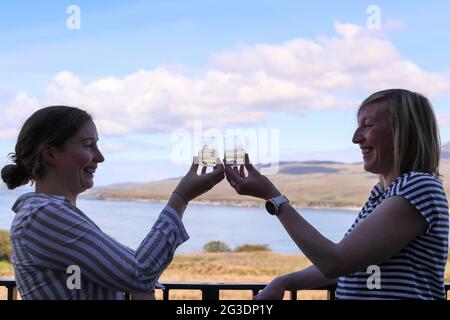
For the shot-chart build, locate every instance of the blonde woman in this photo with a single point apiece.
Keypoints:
(402, 230)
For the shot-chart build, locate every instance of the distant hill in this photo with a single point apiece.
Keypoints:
(307, 184)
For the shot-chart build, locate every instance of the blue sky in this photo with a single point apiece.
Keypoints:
(147, 69)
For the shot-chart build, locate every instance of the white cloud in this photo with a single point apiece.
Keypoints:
(14, 112)
(22, 104)
(241, 85)
(358, 60)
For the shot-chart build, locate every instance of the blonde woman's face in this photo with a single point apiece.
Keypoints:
(374, 137)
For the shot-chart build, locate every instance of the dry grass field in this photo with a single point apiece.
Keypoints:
(233, 267)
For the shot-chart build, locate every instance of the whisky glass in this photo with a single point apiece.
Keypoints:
(234, 151)
(209, 152)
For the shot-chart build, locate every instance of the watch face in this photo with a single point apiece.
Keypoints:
(270, 207)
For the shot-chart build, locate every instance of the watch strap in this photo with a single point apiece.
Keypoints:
(275, 204)
(280, 200)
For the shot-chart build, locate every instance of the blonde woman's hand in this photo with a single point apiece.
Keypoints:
(255, 184)
(273, 291)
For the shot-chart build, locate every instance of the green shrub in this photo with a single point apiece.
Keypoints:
(252, 247)
(216, 246)
(5, 245)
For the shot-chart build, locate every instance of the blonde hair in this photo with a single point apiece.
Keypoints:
(415, 131)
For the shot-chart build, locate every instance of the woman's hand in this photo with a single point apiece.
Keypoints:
(193, 185)
(273, 291)
(255, 184)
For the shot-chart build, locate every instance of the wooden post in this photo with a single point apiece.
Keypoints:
(12, 293)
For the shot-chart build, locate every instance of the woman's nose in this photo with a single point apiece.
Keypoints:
(99, 157)
(357, 137)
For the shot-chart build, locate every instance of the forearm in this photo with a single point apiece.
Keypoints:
(59, 237)
(177, 203)
(308, 278)
(158, 247)
(322, 252)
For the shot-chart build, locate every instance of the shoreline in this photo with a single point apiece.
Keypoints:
(238, 204)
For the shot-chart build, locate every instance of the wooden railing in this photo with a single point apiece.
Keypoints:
(210, 291)
(10, 285)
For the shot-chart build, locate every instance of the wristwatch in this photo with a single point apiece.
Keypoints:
(273, 205)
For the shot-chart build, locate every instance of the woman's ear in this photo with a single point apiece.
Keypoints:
(49, 154)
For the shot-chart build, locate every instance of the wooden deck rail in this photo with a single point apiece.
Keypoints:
(10, 285)
(210, 291)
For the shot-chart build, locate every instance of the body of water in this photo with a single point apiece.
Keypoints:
(129, 222)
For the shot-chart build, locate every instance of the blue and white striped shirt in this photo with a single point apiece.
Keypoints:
(49, 234)
(417, 271)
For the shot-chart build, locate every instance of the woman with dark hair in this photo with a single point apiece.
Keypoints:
(57, 150)
(401, 232)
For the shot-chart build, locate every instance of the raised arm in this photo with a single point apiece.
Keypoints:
(390, 227)
(58, 236)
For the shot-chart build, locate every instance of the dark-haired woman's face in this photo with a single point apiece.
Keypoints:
(374, 136)
(79, 159)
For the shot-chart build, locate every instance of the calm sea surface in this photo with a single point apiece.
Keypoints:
(129, 222)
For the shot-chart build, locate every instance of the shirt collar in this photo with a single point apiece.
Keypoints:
(34, 195)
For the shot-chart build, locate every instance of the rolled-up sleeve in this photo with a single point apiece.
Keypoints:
(57, 237)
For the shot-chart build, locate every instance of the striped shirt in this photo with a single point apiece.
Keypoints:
(417, 271)
(49, 234)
